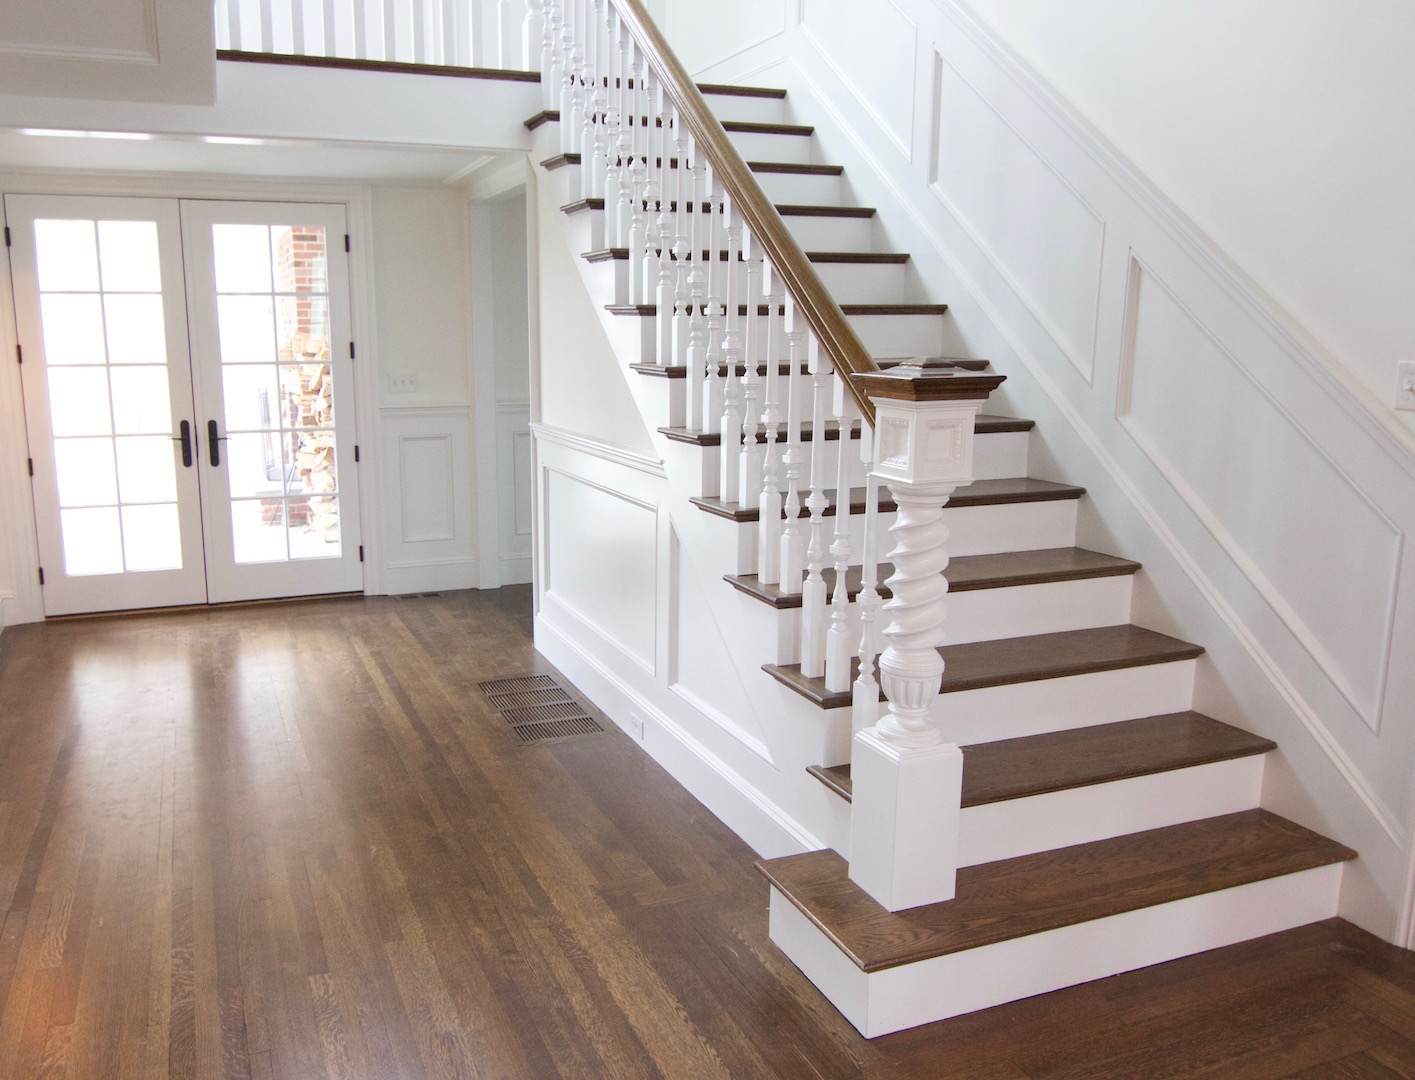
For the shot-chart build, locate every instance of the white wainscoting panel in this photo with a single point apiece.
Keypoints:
(600, 561)
(513, 491)
(1310, 540)
(1016, 205)
(871, 46)
(429, 543)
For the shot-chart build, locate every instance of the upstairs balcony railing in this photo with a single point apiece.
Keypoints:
(503, 34)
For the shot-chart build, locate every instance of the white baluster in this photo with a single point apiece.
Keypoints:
(793, 536)
(594, 101)
(614, 174)
(638, 170)
(750, 478)
(865, 700)
(599, 161)
(626, 135)
(548, 71)
(839, 644)
(769, 502)
(731, 446)
(568, 130)
(683, 245)
(697, 297)
(712, 387)
(575, 124)
(664, 297)
(813, 592)
(654, 196)
(530, 35)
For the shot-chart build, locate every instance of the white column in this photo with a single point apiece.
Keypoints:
(907, 779)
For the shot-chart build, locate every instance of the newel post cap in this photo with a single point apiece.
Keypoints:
(924, 414)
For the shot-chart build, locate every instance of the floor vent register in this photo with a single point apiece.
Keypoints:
(538, 707)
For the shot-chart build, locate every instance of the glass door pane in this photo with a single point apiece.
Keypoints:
(268, 297)
(101, 315)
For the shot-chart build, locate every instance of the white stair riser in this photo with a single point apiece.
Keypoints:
(974, 530)
(802, 189)
(1072, 701)
(1047, 608)
(990, 614)
(759, 146)
(765, 110)
(816, 233)
(919, 993)
(1005, 830)
(900, 335)
(996, 454)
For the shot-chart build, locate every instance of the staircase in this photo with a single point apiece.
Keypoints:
(1103, 825)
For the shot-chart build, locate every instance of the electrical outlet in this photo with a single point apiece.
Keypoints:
(405, 384)
(636, 726)
(1405, 385)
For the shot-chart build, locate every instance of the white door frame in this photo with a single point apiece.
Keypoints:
(25, 604)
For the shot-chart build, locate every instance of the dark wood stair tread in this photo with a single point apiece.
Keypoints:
(727, 90)
(1007, 661)
(762, 309)
(1061, 760)
(965, 574)
(1015, 898)
(759, 127)
(1018, 489)
(680, 371)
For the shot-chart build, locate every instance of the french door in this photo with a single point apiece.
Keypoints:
(188, 399)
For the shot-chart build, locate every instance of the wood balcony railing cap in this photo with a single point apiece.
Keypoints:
(927, 379)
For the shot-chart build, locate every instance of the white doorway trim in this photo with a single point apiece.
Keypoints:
(16, 509)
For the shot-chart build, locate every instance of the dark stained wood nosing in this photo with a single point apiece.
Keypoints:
(730, 90)
(796, 168)
(649, 310)
(1015, 898)
(966, 573)
(1101, 754)
(978, 493)
(758, 127)
(559, 161)
(803, 210)
(398, 67)
(1008, 661)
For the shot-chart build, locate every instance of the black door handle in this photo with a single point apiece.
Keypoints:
(186, 440)
(211, 440)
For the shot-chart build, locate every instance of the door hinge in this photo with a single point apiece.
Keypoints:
(7, 236)
(356, 453)
(346, 243)
(19, 354)
(41, 575)
(351, 350)
(31, 465)
(361, 553)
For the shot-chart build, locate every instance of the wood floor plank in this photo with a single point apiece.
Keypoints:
(297, 842)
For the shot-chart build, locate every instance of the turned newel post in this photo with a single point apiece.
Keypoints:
(907, 777)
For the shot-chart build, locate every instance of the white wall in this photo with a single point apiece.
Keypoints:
(420, 309)
(1280, 126)
(1269, 495)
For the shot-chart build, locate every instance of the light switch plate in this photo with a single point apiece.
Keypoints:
(1405, 385)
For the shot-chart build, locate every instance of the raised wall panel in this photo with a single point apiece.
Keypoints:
(1042, 235)
(601, 561)
(425, 495)
(428, 539)
(1322, 554)
(124, 50)
(513, 492)
(872, 48)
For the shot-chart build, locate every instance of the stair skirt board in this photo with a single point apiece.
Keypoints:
(906, 996)
(1057, 819)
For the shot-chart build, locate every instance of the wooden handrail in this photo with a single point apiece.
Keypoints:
(832, 329)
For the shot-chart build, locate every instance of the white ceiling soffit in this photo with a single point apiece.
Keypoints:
(123, 50)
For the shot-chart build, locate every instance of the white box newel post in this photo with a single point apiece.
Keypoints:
(907, 778)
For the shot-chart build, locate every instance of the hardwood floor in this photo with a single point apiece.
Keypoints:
(294, 841)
